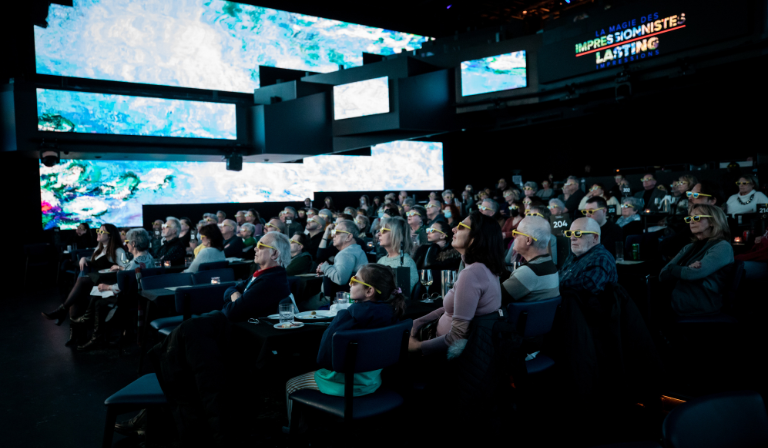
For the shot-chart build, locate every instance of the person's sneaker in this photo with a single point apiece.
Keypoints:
(132, 426)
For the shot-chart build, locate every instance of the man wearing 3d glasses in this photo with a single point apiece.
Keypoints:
(571, 196)
(650, 193)
(590, 267)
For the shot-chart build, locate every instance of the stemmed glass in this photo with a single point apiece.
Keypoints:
(452, 279)
(425, 276)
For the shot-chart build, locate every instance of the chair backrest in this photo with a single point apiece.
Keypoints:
(166, 280)
(204, 277)
(533, 318)
(199, 299)
(376, 349)
(80, 253)
(732, 419)
(213, 265)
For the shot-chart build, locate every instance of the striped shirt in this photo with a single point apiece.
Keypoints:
(536, 280)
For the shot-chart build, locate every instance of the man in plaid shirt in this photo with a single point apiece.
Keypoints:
(590, 266)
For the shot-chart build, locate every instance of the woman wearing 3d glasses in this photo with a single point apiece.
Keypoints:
(746, 200)
(438, 254)
(698, 269)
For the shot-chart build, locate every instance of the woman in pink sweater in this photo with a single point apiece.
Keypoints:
(477, 291)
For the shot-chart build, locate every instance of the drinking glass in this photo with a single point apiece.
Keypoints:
(215, 280)
(425, 276)
(167, 263)
(286, 312)
(158, 263)
(619, 252)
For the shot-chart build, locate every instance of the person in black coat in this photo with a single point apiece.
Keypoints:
(233, 244)
(572, 196)
(610, 233)
(261, 295)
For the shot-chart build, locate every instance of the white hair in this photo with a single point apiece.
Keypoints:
(176, 223)
(538, 228)
(493, 205)
(283, 245)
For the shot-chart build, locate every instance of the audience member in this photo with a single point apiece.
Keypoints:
(490, 208)
(362, 225)
(477, 291)
(108, 253)
(301, 218)
(590, 266)
(253, 217)
(301, 259)
(365, 205)
(629, 211)
(345, 263)
(557, 207)
(705, 192)
(467, 203)
(530, 189)
(315, 228)
(395, 238)
(697, 270)
(433, 209)
(83, 238)
(261, 295)
(376, 203)
(571, 196)
(328, 203)
(416, 223)
(212, 247)
(497, 193)
(610, 233)
(249, 241)
(432, 196)
(651, 193)
(438, 254)
(451, 207)
(402, 197)
(616, 189)
(220, 217)
(537, 279)
(685, 183)
(327, 216)
(274, 225)
(599, 190)
(546, 193)
(233, 244)
(240, 217)
(408, 204)
(173, 249)
(291, 225)
(746, 200)
(512, 222)
(377, 303)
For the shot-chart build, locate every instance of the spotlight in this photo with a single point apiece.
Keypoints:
(234, 162)
(50, 157)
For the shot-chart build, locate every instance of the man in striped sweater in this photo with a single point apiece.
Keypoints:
(538, 278)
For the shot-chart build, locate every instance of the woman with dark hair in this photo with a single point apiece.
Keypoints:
(477, 291)
(186, 231)
(705, 192)
(516, 214)
(83, 238)
(329, 203)
(301, 260)
(438, 255)
(213, 247)
(108, 253)
(377, 303)
(365, 204)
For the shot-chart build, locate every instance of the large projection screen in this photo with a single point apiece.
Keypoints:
(494, 74)
(113, 191)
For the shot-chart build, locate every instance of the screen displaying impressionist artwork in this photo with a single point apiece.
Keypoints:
(205, 44)
(113, 191)
(359, 99)
(494, 74)
(96, 113)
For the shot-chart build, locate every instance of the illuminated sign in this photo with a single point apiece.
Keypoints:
(635, 34)
(629, 41)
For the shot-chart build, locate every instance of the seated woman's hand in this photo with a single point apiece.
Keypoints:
(414, 345)
(758, 239)
(83, 263)
(319, 270)
(235, 295)
(695, 265)
(115, 268)
(104, 287)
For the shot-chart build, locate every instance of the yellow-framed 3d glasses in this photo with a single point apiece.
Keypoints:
(413, 213)
(461, 224)
(259, 245)
(695, 218)
(482, 207)
(355, 280)
(104, 232)
(534, 214)
(294, 241)
(647, 179)
(743, 183)
(576, 233)
(591, 211)
(694, 195)
(335, 231)
(627, 206)
(515, 233)
(433, 230)
(385, 229)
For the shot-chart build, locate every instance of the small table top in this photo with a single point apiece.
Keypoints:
(162, 293)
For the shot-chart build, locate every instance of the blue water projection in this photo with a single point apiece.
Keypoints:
(214, 45)
(95, 113)
(493, 74)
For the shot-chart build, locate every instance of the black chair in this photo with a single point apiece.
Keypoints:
(191, 301)
(732, 419)
(360, 351)
(204, 277)
(36, 256)
(533, 319)
(213, 265)
(143, 393)
(166, 280)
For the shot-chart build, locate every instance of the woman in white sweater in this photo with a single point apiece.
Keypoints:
(213, 247)
(394, 235)
(746, 200)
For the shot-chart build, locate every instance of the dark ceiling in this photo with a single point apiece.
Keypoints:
(439, 18)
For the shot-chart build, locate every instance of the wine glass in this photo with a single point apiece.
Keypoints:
(452, 279)
(425, 276)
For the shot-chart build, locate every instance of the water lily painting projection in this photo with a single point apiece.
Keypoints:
(114, 191)
(204, 44)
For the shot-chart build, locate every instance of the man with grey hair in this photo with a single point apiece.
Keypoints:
(408, 204)
(274, 225)
(590, 267)
(345, 263)
(314, 229)
(291, 225)
(538, 278)
(173, 249)
(451, 206)
(220, 217)
(433, 209)
(262, 293)
(571, 196)
(233, 245)
(488, 207)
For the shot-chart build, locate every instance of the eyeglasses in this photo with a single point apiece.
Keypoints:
(249, 214)
(355, 280)
(513, 207)
(515, 233)
(594, 188)
(743, 183)
(269, 224)
(576, 233)
(413, 214)
(104, 232)
(129, 241)
(627, 206)
(461, 224)
(534, 214)
(646, 179)
(528, 188)
(432, 230)
(482, 207)
(226, 225)
(552, 207)
(294, 241)
(311, 213)
(693, 195)
(674, 184)
(336, 231)
(682, 182)
(696, 218)
(431, 205)
(527, 202)
(569, 183)
(259, 245)
(591, 211)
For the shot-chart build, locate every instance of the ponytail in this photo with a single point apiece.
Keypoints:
(383, 278)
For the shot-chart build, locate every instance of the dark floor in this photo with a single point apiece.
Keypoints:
(52, 395)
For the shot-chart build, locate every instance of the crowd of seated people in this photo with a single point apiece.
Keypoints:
(470, 235)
